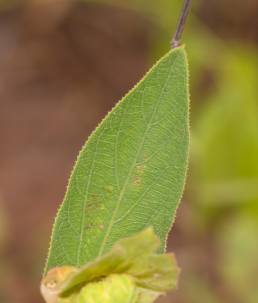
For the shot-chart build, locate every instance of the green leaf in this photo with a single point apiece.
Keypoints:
(135, 256)
(131, 270)
(131, 172)
(114, 289)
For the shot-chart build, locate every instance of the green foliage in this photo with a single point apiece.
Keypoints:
(135, 256)
(227, 151)
(225, 174)
(131, 172)
(132, 270)
(114, 289)
(238, 250)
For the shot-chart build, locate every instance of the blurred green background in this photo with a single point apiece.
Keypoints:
(63, 65)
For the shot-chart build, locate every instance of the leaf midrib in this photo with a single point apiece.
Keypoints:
(121, 196)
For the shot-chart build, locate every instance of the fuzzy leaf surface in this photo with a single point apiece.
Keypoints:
(131, 172)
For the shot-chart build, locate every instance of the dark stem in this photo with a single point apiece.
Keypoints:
(181, 24)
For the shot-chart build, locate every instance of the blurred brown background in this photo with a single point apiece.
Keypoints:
(64, 64)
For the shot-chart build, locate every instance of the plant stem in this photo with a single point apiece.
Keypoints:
(181, 24)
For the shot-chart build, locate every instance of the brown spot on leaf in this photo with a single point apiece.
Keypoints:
(137, 179)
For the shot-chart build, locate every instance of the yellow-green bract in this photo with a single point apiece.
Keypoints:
(131, 272)
(131, 172)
